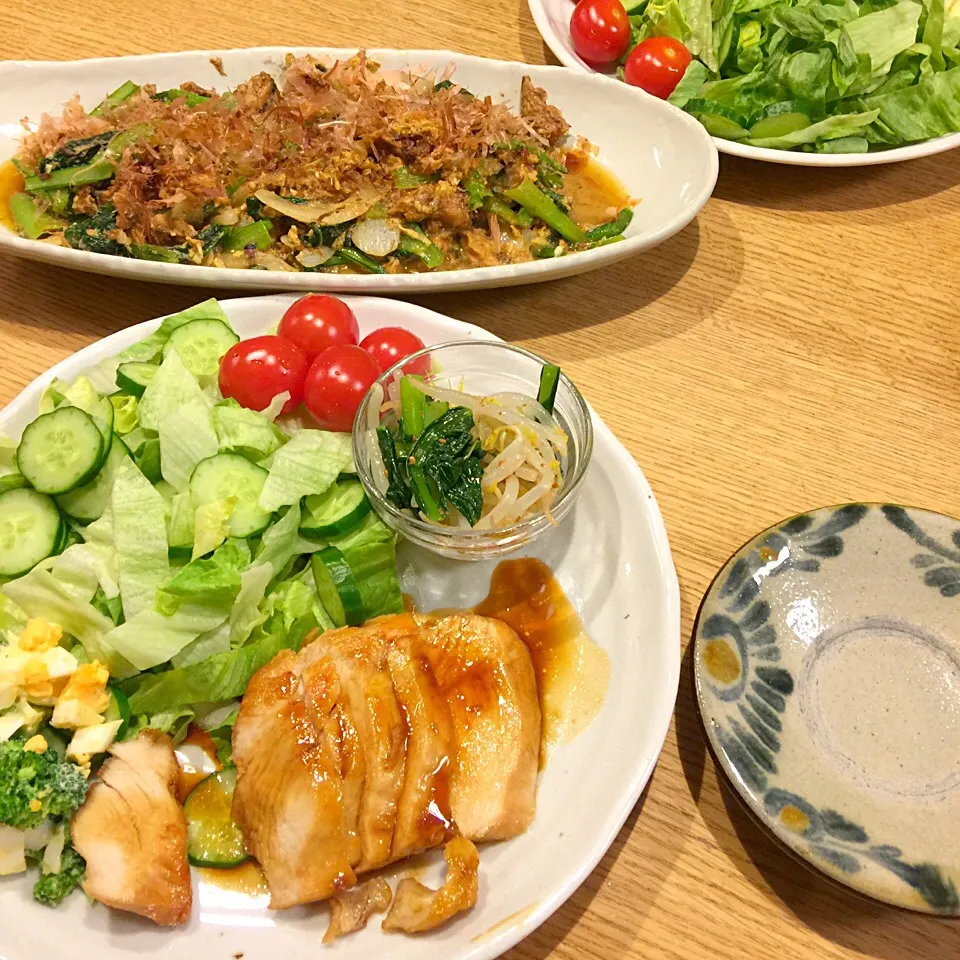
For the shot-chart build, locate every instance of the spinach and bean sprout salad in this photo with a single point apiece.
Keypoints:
(455, 458)
(339, 168)
(843, 76)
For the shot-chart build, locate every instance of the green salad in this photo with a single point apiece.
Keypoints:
(824, 77)
(158, 545)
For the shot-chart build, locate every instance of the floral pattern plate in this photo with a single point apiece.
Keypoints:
(827, 665)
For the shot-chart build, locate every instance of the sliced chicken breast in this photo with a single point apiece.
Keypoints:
(370, 704)
(289, 794)
(133, 835)
(485, 674)
(424, 819)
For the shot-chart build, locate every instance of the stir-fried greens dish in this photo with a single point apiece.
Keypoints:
(846, 76)
(339, 167)
(451, 457)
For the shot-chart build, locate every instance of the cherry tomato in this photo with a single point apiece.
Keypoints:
(600, 30)
(254, 371)
(656, 65)
(318, 321)
(389, 345)
(336, 383)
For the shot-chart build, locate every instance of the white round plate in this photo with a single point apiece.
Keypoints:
(611, 557)
(663, 157)
(552, 18)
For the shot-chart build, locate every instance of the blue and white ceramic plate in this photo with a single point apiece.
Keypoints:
(827, 665)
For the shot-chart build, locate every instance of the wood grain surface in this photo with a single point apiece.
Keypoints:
(797, 346)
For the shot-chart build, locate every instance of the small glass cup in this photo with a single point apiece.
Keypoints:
(482, 367)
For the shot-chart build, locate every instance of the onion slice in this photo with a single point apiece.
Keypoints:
(375, 237)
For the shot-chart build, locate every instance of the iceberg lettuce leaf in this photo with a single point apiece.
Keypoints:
(138, 516)
(308, 464)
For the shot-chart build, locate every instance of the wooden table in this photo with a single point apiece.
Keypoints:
(797, 346)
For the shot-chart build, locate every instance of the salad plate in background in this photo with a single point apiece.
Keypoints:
(611, 558)
(896, 48)
(665, 162)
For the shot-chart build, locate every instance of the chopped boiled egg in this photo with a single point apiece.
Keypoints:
(39, 636)
(19, 717)
(36, 838)
(84, 698)
(32, 718)
(9, 688)
(12, 850)
(40, 675)
(10, 723)
(53, 851)
(90, 740)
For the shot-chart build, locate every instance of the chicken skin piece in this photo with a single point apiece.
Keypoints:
(132, 832)
(485, 673)
(416, 908)
(288, 800)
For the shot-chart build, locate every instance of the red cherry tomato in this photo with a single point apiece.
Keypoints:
(389, 345)
(656, 65)
(318, 321)
(336, 383)
(254, 371)
(600, 30)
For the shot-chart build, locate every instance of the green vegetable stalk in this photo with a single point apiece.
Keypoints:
(124, 92)
(421, 247)
(516, 218)
(255, 234)
(406, 179)
(413, 404)
(541, 207)
(614, 228)
(31, 222)
(357, 259)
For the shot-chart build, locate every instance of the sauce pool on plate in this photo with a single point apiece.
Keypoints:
(572, 671)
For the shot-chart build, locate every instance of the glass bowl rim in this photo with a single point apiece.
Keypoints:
(522, 530)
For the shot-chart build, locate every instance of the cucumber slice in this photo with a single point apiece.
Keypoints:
(61, 450)
(147, 458)
(335, 512)
(213, 838)
(87, 503)
(549, 381)
(201, 345)
(31, 529)
(103, 415)
(136, 377)
(230, 475)
(337, 588)
(12, 481)
(118, 709)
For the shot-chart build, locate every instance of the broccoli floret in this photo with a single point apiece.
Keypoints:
(34, 786)
(52, 888)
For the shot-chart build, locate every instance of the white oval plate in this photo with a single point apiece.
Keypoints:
(662, 156)
(552, 18)
(612, 558)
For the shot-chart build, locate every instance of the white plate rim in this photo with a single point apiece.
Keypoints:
(927, 148)
(502, 941)
(475, 278)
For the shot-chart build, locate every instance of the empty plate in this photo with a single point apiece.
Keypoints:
(827, 666)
